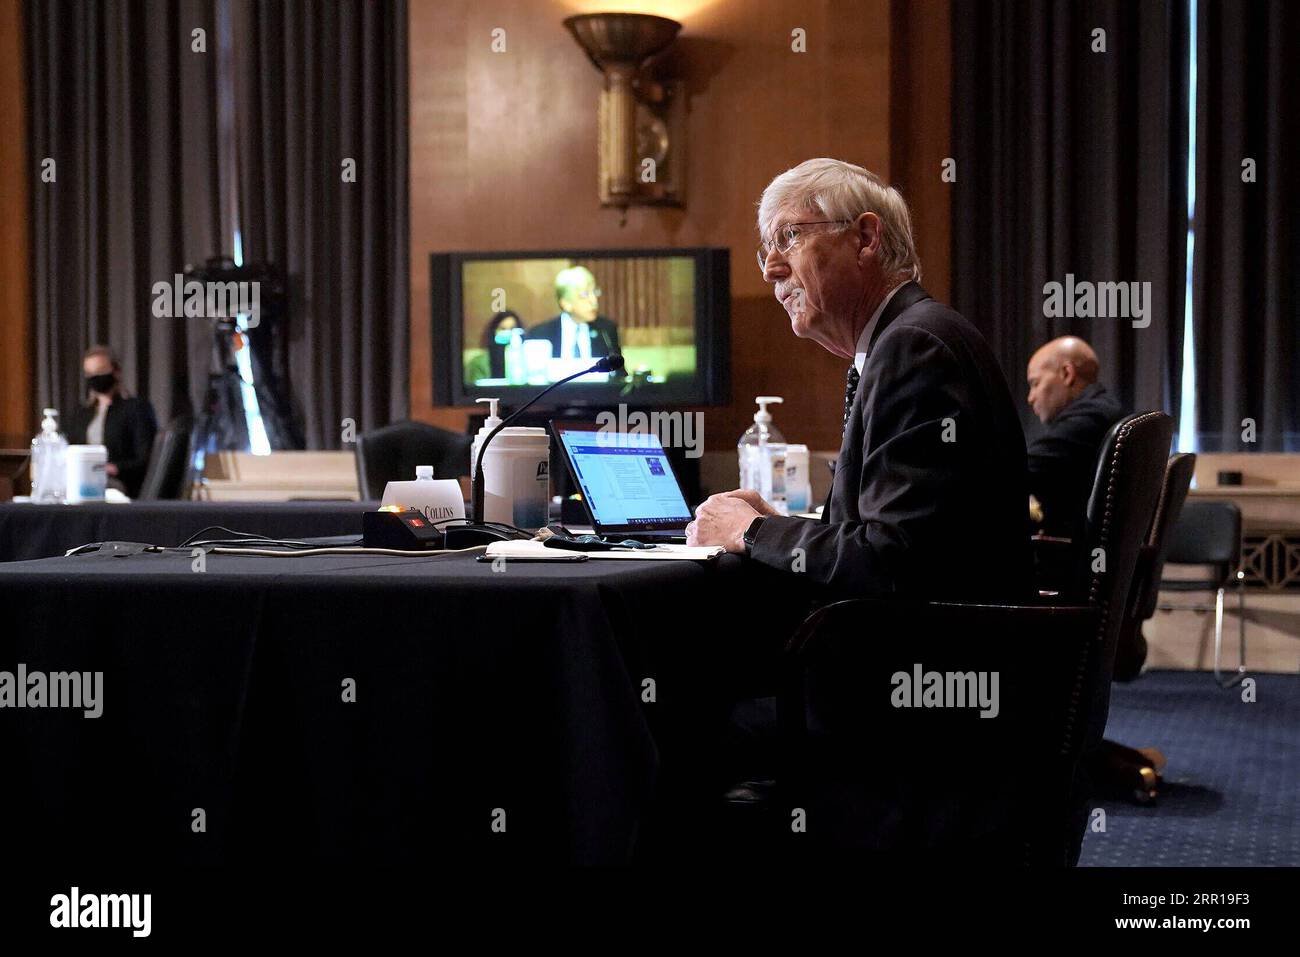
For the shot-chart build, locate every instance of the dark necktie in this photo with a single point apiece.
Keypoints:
(850, 390)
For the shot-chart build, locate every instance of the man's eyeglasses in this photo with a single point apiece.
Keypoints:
(787, 234)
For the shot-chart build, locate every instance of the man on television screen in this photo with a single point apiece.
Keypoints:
(578, 332)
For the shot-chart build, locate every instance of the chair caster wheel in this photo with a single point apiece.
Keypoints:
(1156, 759)
(1150, 789)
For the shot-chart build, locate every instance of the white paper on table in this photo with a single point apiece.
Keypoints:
(535, 550)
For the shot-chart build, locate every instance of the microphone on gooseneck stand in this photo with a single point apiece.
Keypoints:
(476, 531)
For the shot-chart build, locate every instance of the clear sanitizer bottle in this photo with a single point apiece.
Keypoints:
(762, 456)
(49, 461)
(515, 369)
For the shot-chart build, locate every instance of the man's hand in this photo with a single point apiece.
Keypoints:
(722, 520)
(110, 469)
(753, 499)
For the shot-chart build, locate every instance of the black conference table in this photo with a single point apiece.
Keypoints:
(365, 708)
(30, 531)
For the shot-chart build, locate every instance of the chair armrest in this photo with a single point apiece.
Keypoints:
(1050, 546)
(825, 624)
(1049, 540)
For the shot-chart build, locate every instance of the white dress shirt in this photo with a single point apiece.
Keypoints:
(864, 340)
(574, 333)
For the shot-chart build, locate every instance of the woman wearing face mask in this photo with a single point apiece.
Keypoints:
(125, 424)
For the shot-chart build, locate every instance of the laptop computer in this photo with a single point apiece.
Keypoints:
(628, 486)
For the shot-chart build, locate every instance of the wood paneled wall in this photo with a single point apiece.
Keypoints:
(920, 106)
(18, 422)
(503, 155)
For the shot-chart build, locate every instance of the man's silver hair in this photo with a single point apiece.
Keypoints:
(833, 189)
(567, 280)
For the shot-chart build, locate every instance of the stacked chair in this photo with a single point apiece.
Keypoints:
(1209, 536)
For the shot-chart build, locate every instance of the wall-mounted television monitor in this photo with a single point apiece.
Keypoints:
(508, 324)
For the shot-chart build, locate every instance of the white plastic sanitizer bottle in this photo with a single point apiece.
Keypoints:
(762, 456)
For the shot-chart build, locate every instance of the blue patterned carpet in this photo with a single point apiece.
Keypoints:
(1232, 788)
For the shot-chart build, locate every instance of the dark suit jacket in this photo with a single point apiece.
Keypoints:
(604, 341)
(1063, 459)
(129, 430)
(910, 514)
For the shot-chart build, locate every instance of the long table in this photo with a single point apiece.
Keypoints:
(30, 531)
(361, 708)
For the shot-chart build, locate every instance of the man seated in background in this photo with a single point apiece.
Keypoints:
(124, 424)
(1077, 412)
(578, 332)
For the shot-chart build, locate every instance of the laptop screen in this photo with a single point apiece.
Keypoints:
(625, 478)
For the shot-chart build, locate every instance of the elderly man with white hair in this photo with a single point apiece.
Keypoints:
(930, 487)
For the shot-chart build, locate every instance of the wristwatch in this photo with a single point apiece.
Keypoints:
(752, 532)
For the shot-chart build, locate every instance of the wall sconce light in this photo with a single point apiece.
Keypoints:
(642, 121)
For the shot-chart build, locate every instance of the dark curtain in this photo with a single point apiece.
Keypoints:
(144, 186)
(1246, 312)
(1072, 161)
(127, 113)
(317, 84)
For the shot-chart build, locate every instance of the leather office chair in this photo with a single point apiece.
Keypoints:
(165, 476)
(1115, 768)
(859, 776)
(1209, 533)
(1151, 565)
(391, 453)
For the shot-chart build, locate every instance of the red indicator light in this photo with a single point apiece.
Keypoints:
(417, 522)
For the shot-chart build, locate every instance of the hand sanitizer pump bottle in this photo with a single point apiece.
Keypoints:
(490, 423)
(49, 454)
(762, 456)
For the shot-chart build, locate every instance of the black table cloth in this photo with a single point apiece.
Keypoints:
(515, 697)
(45, 531)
